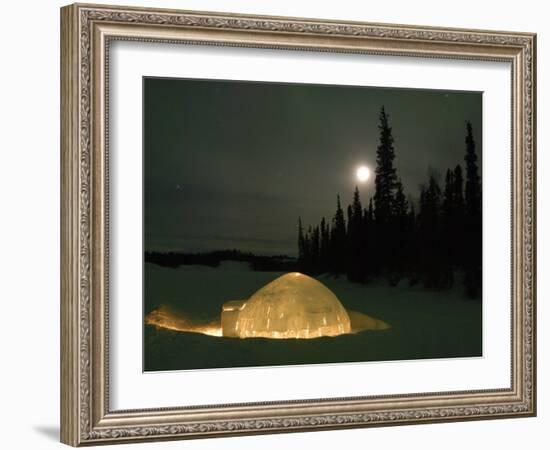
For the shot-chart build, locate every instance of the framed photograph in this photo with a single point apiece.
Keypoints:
(273, 224)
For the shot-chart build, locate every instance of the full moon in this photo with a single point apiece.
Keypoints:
(363, 174)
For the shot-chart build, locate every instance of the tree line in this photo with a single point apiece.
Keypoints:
(389, 238)
(174, 259)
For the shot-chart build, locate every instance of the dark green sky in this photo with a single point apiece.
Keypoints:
(233, 164)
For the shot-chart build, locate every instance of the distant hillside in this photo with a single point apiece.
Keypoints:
(278, 263)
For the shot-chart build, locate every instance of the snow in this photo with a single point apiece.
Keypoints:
(423, 324)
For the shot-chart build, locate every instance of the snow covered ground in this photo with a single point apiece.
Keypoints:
(424, 324)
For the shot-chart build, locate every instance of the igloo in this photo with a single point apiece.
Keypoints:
(292, 306)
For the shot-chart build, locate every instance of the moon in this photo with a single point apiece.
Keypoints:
(363, 174)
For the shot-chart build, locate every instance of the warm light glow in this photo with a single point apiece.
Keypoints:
(164, 317)
(294, 306)
(363, 174)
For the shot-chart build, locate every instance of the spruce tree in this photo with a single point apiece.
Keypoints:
(338, 239)
(301, 244)
(371, 261)
(473, 224)
(448, 217)
(412, 214)
(355, 270)
(430, 234)
(370, 211)
(448, 196)
(413, 250)
(386, 178)
(400, 237)
(473, 182)
(315, 248)
(458, 190)
(400, 205)
(308, 260)
(385, 184)
(357, 209)
(324, 246)
(349, 224)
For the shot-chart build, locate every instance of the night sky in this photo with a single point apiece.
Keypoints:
(234, 164)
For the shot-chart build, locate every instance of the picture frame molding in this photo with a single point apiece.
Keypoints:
(86, 32)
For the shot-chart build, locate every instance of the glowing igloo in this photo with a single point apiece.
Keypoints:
(292, 306)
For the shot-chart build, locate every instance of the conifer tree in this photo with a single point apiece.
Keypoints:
(448, 229)
(430, 234)
(386, 178)
(371, 261)
(413, 250)
(357, 208)
(448, 195)
(356, 236)
(349, 223)
(412, 213)
(301, 244)
(338, 239)
(457, 227)
(400, 205)
(473, 182)
(370, 211)
(472, 219)
(315, 246)
(400, 235)
(307, 254)
(384, 190)
(458, 191)
(324, 246)
(390, 238)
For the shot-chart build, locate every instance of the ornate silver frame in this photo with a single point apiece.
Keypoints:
(86, 31)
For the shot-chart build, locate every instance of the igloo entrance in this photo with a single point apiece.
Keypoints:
(292, 306)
